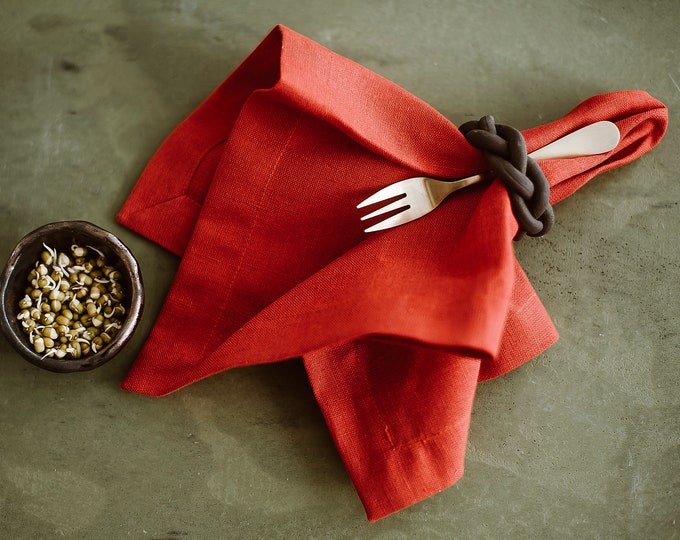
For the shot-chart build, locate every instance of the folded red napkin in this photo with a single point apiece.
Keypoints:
(256, 190)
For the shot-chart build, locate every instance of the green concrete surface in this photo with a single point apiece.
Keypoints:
(582, 442)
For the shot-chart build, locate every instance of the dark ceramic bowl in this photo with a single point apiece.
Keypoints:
(61, 236)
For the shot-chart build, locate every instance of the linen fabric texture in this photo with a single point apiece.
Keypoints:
(256, 191)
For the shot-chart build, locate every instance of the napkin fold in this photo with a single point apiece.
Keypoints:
(256, 191)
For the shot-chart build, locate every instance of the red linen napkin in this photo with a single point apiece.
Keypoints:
(256, 190)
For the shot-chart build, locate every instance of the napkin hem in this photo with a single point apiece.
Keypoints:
(393, 463)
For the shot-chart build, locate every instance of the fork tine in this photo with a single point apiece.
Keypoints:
(393, 190)
(392, 221)
(396, 205)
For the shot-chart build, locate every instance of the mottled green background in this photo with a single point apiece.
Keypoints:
(583, 442)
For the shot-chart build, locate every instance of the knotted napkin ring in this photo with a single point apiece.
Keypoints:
(506, 154)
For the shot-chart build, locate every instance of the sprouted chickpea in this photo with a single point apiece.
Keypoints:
(72, 306)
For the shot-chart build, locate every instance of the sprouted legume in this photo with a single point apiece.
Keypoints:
(73, 305)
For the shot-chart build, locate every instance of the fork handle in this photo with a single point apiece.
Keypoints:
(593, 139)
(590, 140)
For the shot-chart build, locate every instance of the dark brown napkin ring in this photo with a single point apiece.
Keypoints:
(506, 154)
